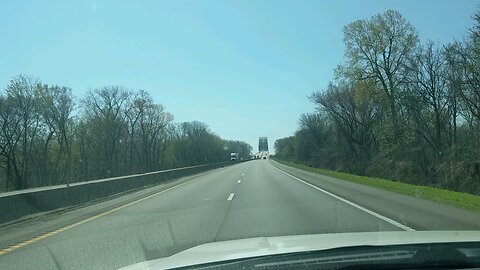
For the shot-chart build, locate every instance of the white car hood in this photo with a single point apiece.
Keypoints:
(261, 246)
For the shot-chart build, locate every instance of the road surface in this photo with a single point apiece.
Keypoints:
(250, 199)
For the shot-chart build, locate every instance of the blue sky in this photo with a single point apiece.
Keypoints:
(243, 67)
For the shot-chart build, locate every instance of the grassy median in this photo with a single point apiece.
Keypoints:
(453, 198)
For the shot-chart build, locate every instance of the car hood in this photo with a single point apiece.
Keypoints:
(261, 246)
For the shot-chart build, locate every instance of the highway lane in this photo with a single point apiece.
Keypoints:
(411, 211)
(245, 200)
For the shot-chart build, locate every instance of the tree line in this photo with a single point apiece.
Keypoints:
(50, 137)
(397, 108)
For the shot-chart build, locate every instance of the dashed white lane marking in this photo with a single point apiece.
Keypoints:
(230, 197)
(391, 221)
(239, 181)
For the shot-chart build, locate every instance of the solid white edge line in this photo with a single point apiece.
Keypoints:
(230, 197)
(386, 219)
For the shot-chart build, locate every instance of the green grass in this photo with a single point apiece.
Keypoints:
(453, 198)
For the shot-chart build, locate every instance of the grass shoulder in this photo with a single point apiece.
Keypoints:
(453, 198)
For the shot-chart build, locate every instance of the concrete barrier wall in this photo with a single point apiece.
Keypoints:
(18, 204)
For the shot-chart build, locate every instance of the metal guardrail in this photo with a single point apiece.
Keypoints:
(17, 204)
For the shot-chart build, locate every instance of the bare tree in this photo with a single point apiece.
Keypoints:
(56, 106)
(20, 120)
(106, 110)
(428, 95)
(355, 116)
(153, 131)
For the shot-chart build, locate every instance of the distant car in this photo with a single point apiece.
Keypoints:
(264, 157)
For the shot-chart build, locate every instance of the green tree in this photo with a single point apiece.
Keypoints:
(379, 49)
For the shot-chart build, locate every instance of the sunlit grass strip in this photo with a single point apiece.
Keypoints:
(453, 198)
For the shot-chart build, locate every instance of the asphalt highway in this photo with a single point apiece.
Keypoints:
(250, 199)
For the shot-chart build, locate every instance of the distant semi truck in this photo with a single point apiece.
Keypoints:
(234, 156)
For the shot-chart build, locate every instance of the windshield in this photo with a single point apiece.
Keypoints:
(136, 130)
